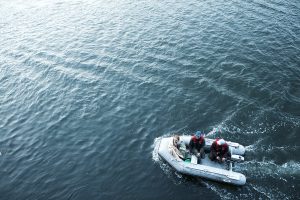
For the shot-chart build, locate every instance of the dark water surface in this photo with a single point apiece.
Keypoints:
(88, 88)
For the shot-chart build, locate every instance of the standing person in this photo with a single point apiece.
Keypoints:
(197, 144)
(219, 150)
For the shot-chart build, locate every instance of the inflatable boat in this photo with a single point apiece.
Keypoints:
(205, 168)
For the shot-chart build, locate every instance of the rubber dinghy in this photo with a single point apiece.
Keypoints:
(207, 169)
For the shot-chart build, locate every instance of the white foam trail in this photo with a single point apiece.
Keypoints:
(253, 147)
(76, 73)
(155, 145)
(219, 191)
(269, 168)
(257, 129)
(269, 148)
(269, 192)
(249, 191)
(214, 131)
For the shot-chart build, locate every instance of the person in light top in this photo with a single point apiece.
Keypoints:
(177, 148)
(219, 150)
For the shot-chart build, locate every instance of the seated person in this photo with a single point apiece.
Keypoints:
(197, 144)
(219, 150)
(177, 148)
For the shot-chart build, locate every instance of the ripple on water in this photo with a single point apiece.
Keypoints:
(80, 78)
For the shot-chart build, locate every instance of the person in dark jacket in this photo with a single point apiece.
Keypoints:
(197, 144)
(219, 150)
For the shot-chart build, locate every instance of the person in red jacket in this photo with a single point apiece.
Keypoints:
(219, 150)
(197, 144)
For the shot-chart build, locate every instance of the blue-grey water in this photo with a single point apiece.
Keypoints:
(88, 88)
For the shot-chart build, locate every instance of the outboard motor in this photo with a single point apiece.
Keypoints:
(234, 158)
(237, 158)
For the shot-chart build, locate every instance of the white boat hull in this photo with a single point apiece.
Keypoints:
(206, 169)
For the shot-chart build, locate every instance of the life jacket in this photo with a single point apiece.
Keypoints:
(200, 140)
(221, 148)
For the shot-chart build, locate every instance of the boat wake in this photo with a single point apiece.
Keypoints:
(255, 170)
(155, 155)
